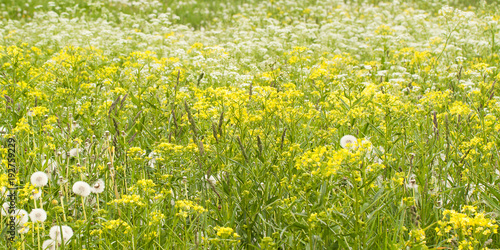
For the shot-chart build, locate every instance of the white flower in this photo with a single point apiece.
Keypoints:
(5, 208)
(348, 142)
(74, 152)
(81, 188)
(38, 215)
(210, 179)
(98, 187)
(49, 245)
(55, 233)
(39, 179)
(21, 216)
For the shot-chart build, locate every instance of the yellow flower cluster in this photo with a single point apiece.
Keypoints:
(226, 232)
(156, 217)
(187, 207)
(115, 225)
(129, 199)
(145, 185)
(136, 153)
(323, 160)
(469, 228)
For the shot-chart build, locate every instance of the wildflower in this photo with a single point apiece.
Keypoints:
(225, 232)
(418, 235)
(98, 187)
(55, 233)
(113, 225)
(81, 188)
(39, 179)
(38, 215)
(348, 142)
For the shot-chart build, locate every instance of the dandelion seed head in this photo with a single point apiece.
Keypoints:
(5, 208)
(55, 233)
(98, 186)
(4, 192)
(49, 245)
(81, 188)
(21, 216)
(39, 179)
(38, 215)
(348, 142)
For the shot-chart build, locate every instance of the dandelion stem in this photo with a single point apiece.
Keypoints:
(38, 235)
(83, 206)
(62, 205)
(41, 200)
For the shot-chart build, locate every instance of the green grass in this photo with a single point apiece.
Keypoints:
(256, 97)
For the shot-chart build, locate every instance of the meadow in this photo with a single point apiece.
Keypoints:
(244, 124)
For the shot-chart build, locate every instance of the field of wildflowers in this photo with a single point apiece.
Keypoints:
(245, 124)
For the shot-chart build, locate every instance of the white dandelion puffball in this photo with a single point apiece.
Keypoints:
(5, 193)
(36, 194)
(49, 245)
(74, 152)
(55, 233)
(23, 230)
(39, 179)
(348, 141)
(21, 216)
(98, 187)
(5, 208)
(81, 188)
(38, 215)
